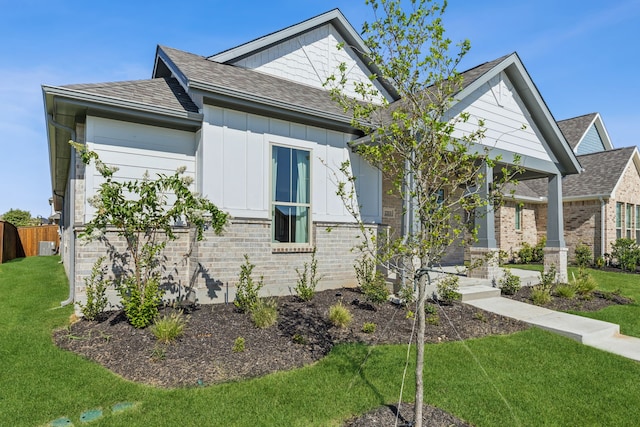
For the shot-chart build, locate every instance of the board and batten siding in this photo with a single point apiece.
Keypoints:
(235, 151)
(135, 149)
(508, 125)
(311, 58)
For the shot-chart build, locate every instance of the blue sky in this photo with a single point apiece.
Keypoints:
(582, 55)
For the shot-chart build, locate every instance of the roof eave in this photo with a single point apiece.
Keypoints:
(226, 95)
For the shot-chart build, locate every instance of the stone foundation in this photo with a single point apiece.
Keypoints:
(484, 264)
(557, 257)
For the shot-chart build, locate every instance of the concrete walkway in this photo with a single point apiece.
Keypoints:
(595, 333)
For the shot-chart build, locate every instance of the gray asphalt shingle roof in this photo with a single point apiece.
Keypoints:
(602, 171)
(163, 92)
(252, 83)
(573, 129)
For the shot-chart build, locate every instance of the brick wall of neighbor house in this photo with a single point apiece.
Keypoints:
(582, 225)
(627, 191)
(211, 267)
(392, 208)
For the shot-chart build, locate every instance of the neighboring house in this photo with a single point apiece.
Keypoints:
(600, 205)
(257, 130)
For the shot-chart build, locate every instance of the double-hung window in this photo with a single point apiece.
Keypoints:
(638, 224)
(290, 195)
(628, 218)
(618, 220)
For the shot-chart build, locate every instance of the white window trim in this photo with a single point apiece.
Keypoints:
(276, 141)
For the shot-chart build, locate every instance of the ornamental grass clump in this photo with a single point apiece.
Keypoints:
(339, 315)
(265, 313)
(167, 329)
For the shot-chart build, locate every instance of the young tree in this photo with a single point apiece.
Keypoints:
(437, 171)
(19, 218)
(144, 212)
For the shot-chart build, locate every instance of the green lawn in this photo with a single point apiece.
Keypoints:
(531, 378)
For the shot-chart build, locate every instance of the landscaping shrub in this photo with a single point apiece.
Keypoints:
(528, 253)
(583, 255)
(167, 329)
(509, 284)
(540, 295)
(584, 283)
(565, 290)
(600, 262)
(140, 300)
(431, 313)
(369, 327)
(627, 254)
(339, 315)
(239, 345)
(448, 289)
(538, 250)
(265, 313)
(247, 289)
(96, 287)
(308, 279)
(407, 294)
(371, 281)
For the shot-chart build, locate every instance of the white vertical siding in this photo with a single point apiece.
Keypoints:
(508, 124)
(237, 159)
(135, 149)
(310, 59)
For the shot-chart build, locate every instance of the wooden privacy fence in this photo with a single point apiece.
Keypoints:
(25, 241)
(10, 246)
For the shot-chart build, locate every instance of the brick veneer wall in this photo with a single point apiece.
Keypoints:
(210, 268)
(627, 191)
(508, 238)
(582, 225)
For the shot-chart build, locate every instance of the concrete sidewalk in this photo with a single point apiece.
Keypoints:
(595, 333)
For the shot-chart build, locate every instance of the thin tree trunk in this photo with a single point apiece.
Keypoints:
(422, 296)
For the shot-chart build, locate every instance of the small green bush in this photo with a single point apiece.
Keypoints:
(538, 250)
(548, 278)
(432, 319)
(565, 290)
(407, 294)
(540, 295)
(308, 279)
(448, 289)
(239, 345)
(339, 315)
(376, 291)
(584, 283)
(525, 254)
(627, 253)
(168, 328)
(583, 255)
(265, 313)
(600, 262)
(140, 305)
(247, 290)
(299, 339)
(369, 327)
(96, 286)
(509, 284)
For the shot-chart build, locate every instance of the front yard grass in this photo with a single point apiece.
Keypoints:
(529, 378)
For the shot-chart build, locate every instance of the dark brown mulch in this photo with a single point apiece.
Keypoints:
(597, 301)
(387, 415)
(204, 354)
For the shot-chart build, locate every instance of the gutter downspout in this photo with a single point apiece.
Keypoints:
(72, 266)
(602, 227)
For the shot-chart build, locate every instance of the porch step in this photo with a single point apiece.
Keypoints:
(476, 292)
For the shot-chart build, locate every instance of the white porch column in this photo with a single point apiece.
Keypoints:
(555, 252)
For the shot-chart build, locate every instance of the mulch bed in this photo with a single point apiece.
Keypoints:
(597, 301)
(204, 354)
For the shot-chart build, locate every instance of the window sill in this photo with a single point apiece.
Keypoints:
(291, 249)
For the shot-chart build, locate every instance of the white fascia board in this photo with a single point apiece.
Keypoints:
(602, 130)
